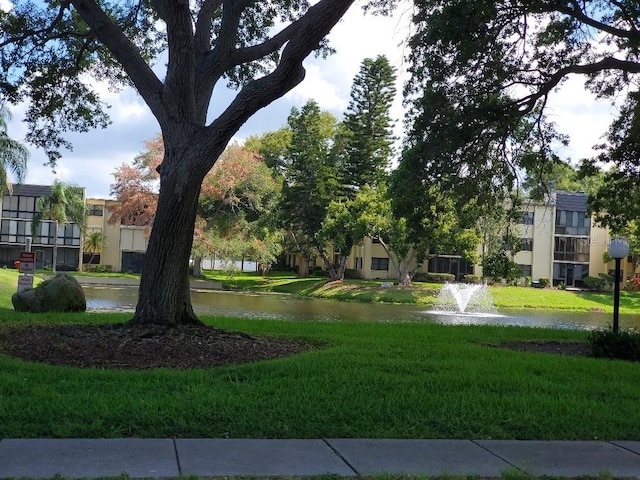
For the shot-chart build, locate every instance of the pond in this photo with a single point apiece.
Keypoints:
(294, 308)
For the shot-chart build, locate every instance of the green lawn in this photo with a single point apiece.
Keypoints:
(369, 380)
(402, 380)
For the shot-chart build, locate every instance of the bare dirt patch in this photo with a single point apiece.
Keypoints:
(132, 347)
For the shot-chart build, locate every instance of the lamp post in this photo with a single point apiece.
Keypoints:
(618, 249)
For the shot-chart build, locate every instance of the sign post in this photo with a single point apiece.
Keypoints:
(27, 267)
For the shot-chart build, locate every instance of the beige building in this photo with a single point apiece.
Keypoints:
(560, 241)
(126, 245)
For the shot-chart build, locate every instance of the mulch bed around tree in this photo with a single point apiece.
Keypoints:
(133, 347)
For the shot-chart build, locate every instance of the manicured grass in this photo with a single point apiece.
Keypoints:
(427, 293)
(369, 380)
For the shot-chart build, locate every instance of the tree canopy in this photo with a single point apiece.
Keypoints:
(483, 73)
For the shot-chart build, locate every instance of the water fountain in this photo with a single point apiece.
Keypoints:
(465, 299)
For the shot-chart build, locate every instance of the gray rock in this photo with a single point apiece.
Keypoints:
(61, 293)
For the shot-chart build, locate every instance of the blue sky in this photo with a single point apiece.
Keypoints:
(97, 154)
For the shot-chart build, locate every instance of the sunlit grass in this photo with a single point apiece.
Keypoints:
(369, 380)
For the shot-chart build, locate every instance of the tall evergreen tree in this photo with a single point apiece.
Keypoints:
(312, 178)
(368, 124)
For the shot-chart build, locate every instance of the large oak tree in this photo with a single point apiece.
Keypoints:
(51, 51)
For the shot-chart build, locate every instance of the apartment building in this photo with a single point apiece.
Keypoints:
(560, 241)
(18, 210)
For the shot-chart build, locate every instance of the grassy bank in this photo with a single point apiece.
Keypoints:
(427, 293)
(369, 380)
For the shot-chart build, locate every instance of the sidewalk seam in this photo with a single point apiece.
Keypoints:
(175, 451)
(498, 456)
(613, 442)
(341, 457)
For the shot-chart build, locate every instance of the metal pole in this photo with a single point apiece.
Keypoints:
(616, 297)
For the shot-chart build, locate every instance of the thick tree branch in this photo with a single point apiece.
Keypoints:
(311, 29)
(527, 104)
(203, 26)
(573, 9)
(179, 94)
(146, 82)
(212, 64)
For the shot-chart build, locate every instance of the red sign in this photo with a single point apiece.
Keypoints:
(27, 262)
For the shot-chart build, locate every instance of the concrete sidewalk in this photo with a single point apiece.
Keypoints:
(163, 458)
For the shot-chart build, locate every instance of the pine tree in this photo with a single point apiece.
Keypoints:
(368, 123)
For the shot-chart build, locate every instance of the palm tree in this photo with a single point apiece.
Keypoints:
(94, 242)
(13, 155)
(64, 204)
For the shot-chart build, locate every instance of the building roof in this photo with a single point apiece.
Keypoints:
(571, 201)
(31, 190)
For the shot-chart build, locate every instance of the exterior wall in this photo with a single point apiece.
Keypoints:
(599, 242)
(122, 240)
(540, 232)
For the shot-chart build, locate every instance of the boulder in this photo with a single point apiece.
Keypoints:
(61, 293)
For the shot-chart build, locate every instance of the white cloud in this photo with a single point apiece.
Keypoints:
(581, 116)
(6, 5)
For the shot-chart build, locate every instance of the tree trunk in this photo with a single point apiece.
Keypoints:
(337, 274)
(164, 296)
(55, 249)
(404, 279)
(197, 266)
(303, 268)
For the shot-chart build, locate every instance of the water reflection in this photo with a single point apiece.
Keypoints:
(293, 308)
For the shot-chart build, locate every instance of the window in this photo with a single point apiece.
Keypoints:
(15, 231)
(96, 210)
(379, 263)
(572, 223)
(525, 270)
(18, 206)
(527, 244)
(527, 218)
(90, 258)
(571, 249)
(132, 262)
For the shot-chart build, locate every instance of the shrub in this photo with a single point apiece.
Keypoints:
(352, 274)
(634, 284)
(430, 277)
(600, 283)
(623, 345)
(472, 279)
(527, 281)
(544, 282)
(93, 268)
